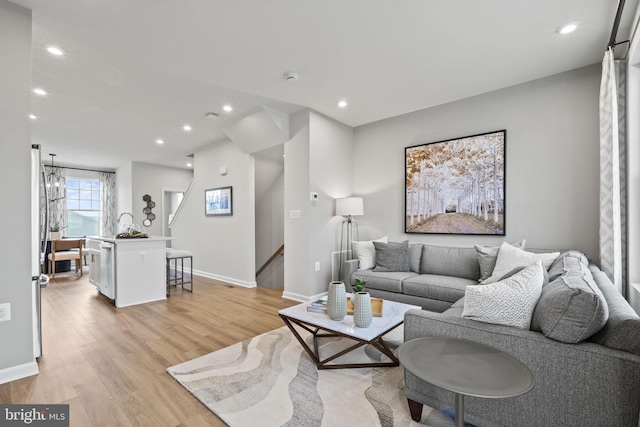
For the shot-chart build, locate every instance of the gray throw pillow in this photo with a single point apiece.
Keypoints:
(392, 256)
(487, 256)
(571, 308)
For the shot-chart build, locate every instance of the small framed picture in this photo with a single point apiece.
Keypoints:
(218, 201)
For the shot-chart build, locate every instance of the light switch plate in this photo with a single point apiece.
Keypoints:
(5, 312)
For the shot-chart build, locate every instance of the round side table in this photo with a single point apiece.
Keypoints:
(465, 368)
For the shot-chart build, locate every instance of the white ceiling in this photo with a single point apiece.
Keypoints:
(137, 70)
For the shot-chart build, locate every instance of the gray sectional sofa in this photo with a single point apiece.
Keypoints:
(583, 344)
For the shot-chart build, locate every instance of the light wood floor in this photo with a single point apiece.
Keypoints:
(109, 364)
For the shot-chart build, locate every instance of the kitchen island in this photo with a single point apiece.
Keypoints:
(128, 271)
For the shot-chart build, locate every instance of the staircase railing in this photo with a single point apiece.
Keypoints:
(270, 260)
(184, 199)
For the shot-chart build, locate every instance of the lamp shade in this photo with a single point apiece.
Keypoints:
(349, 206)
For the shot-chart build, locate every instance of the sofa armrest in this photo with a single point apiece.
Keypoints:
(349, 267)
(568, 377)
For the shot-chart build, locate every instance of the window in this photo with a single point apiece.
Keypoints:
(83, 207)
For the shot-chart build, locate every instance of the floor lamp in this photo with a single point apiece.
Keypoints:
(348, 207)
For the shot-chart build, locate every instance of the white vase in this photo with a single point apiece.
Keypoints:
(337, 301)
(362, 314)
(55, 235)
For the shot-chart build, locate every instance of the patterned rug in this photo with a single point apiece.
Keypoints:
(270, 381)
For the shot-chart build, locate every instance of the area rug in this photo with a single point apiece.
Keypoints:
(269, 380)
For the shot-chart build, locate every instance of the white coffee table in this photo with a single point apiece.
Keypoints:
(321, 326)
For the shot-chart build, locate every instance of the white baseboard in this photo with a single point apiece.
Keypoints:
(230, 280)
(302, 298)
(634, 297)
(18, 372)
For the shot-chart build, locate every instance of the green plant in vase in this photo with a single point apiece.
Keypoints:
(359, 285)
(55, 229)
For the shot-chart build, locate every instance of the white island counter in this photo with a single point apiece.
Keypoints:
(128, 271)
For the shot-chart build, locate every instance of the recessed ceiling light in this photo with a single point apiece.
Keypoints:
(186, 128)
(189, 165)
(39, 91)
(342, 104)
(567, 28)
(55, 50)
(159, 141)
(33, 116)
(228, 108)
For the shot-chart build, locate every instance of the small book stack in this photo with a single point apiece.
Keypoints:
(319, 306)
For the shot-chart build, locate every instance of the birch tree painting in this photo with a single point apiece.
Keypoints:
(456, 186)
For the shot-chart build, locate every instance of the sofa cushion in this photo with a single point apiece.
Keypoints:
(415, 254)
(622, 330)
(442, 288)
(392, 256)
(385, 281)
(450, 261)
(510, 257)
(487, 256)
(365, 252)
(509, 302)
(571, 308)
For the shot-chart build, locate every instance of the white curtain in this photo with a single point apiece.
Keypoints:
(107, 204)
(612, 171)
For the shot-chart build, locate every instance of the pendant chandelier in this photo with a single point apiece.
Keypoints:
(56, 184)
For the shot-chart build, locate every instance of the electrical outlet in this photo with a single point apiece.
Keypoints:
(5, 312)
(317, 265)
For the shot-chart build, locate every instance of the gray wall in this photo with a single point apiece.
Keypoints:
(552, 161)
(223, 247)
(151, 179)
(15, 168)
(124, 188)
(270, 227)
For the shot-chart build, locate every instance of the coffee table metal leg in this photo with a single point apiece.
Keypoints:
(459, 410)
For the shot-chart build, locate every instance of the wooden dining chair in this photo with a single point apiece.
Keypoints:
(62, 250)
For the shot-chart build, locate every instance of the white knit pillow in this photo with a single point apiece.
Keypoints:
(366, 252)
(510, 257)
(509, 302)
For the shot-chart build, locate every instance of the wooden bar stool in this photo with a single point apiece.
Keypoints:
(175, 272)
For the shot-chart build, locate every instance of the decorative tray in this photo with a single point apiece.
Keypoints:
(376, 306)
(132, 236)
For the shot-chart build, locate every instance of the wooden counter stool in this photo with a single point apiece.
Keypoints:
(175, 272)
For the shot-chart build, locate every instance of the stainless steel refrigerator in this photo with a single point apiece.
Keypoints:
(39, 220)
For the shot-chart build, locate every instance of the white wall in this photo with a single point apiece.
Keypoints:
(317, 159)
(15, 168)
(223, 247)
(552, 161)
(151, 179)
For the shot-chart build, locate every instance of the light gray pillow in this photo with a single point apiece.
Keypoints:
(510, 302)
(510, 258)
(487, 256)
(392, 256)
(365, 252)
